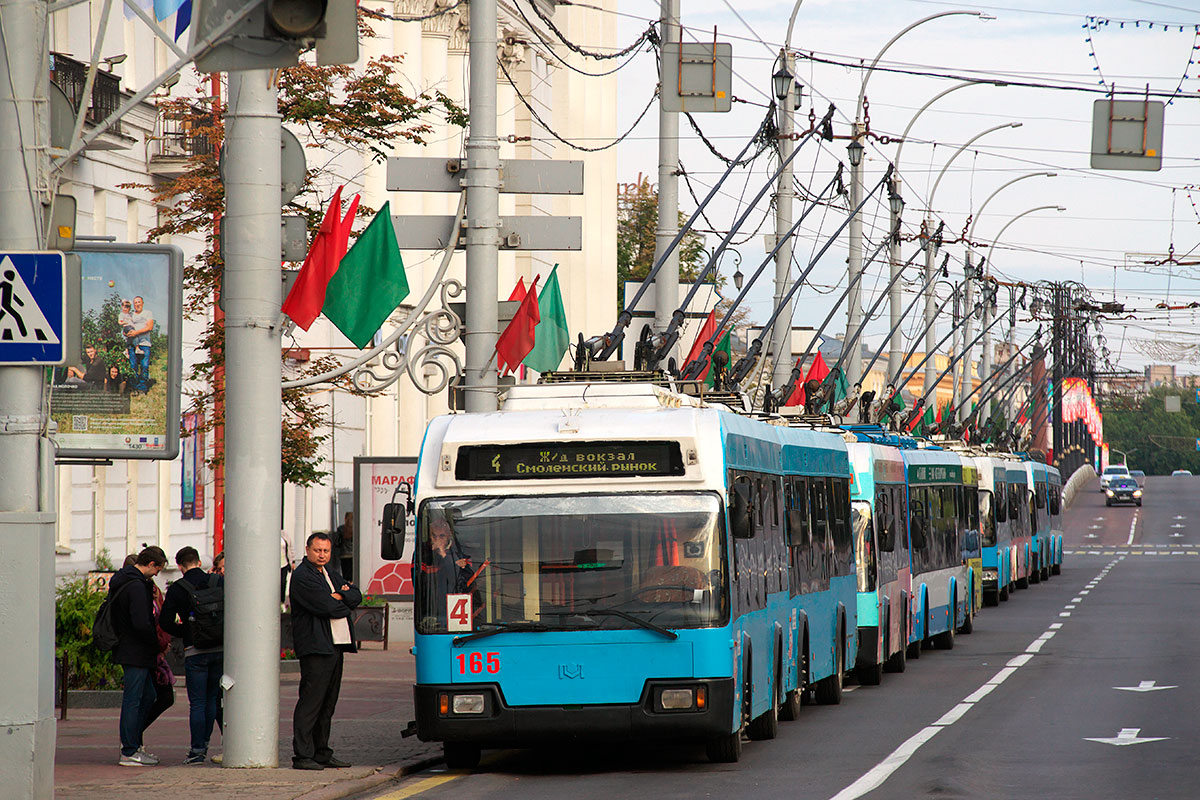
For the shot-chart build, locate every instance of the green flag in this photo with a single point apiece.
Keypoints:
(841, 387)
(928, 420)
(725, 346)
(369, 283)
(550, 337)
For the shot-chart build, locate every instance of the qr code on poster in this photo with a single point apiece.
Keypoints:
(79, 422)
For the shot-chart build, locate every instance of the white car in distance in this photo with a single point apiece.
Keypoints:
(1113, 471)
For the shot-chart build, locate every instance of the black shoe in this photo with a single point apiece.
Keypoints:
(306, 763)
(334, 763)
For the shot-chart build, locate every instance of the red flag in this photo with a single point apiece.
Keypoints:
(517, 339)
(818, 370)
(518, 292)
(305, 300)
(939, 415)
(706, 332)
(797, 397)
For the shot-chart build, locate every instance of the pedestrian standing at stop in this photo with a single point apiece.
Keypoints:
(137, 650)
(321, 604)
(203, 660)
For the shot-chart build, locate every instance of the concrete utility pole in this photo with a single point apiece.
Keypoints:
(666, 283)
(985, 360)
(252, 400)
(931, 337)
(963, 383)
(781, 335)
(27, 505)
(483, 213)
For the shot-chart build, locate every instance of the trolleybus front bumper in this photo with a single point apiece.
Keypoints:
(498, 724)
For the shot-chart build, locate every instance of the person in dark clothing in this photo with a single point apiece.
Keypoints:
(203, 667)
(162, 677)
(136, 650)
(321, 604)
(445, 566)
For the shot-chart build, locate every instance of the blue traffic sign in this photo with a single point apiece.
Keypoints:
(32, 307)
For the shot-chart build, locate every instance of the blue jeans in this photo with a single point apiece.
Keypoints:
(203, 675)
(141, 367)
(137, 699)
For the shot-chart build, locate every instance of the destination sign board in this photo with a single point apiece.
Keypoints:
(935, 473)
(549, 460)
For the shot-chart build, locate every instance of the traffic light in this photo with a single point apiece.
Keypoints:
(273, 33)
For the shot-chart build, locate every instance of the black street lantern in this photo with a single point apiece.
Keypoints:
(738, 277)
(781, 81)
(855, 150)
(896, 203)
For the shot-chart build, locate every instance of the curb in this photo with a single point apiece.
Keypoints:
(385, 774)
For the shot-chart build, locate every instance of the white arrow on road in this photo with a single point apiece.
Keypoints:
(1127, 736)
(1177, 525)
(1178, 517)
(1095, 527)
(1099, 519)
(1176, 535)
(1090, 536)
(1144, 686)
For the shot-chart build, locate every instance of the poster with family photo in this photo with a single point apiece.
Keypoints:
(120, 399)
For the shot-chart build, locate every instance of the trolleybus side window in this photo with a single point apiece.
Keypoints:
(988, 514)
(864, 545)
(885, 519)
(1001, 502)
(819, 513)
(839, 515)
(1040, 494)
(798, 530)
(900, 515)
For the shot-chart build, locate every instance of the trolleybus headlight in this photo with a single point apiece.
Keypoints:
(468, 704)
(677, 699)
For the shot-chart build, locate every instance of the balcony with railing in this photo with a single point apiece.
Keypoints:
(70, 76)
(177, 138)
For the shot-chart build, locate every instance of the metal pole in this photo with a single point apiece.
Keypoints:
(961, 386)
(666, 283)
(483, 213)
(854, 260)
(781, 335)
(252, 386)
(26, 491)
(985, 361)
(930, 305)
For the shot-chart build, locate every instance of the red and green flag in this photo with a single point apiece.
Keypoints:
(725, 345)
(369, 283)
(305, 300)
(550, 336)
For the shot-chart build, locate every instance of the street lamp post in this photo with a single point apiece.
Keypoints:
(992, 250)
(931, 254)
(783, 82)
(854, 230)
(985, 362)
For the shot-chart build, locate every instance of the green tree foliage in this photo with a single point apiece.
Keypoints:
(637, 222)
(74, 611)
(340, 109)
(1156, 441)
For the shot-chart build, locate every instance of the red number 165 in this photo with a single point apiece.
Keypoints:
(475, 663)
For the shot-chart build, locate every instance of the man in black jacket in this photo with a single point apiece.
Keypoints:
(321, 604)
(203, 666)
(136, 650)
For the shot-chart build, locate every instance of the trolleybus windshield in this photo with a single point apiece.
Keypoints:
(570, 561)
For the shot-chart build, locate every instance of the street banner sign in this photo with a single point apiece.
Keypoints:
(33, 307)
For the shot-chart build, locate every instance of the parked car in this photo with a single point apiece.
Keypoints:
(1139, 476)
(1112, 471)
(1187, 472)
(1123, 489)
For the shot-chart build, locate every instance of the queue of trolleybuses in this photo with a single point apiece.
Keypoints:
(625, 562)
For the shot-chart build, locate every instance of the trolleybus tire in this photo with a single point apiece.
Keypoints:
(1056, 569)
(945, 639)
(871, 675)
(724, 749)
(829, 690)
(1045, 573)
(968, 625)
(461, 755)
(766, 725)
(789, 710)
(896, 662)
(1023, 583)
(1002, 595)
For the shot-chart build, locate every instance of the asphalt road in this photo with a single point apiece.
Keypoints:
(1013, 711)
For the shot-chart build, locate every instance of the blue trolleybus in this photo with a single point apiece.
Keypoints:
(1020, 521)
(880, 525)
(938, 528)
(618, 561)
(999, 556)
(1054, 507)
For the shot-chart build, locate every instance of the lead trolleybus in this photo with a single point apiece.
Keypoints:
(622, 562)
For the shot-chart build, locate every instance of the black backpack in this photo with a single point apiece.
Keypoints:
(206, 613)
(104, 630)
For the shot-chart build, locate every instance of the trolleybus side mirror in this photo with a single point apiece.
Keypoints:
(391, 545)
(740, 522)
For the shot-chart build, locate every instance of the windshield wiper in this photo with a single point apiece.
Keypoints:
(644, 623)
(506, 627)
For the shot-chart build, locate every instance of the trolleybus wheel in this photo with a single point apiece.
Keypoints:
(790, 709)
(1045, 573)
(460, 755)
(725, 749)
(829, 690)
(1035, 573)
(766, 724)
(1056, 569)
(1004, 593)
(896, 662)
(871, 675)
(991, 598)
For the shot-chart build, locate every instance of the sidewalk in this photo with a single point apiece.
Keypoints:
(375, 705)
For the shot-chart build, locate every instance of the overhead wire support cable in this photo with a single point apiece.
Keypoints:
(742, 368)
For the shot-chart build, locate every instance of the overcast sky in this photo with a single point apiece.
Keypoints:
(1109, 214)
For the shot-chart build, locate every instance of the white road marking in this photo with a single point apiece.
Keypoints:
(1019, 661)
(1035, 646)
(880, 772)
(980, 693)
(952, 716)
(1069, 606)
(1001, 676)
(1048, 634)
(1077, 599)
(1178, 517)
(1064, 613)
(1144, 686)
(1055, 625)
(1086, 591)
(1127, 736)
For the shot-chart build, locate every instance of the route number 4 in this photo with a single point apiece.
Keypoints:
(458, 612)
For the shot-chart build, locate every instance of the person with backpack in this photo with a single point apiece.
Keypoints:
(130, 613)
(194, 610)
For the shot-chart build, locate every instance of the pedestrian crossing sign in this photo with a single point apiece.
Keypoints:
(32, 307)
